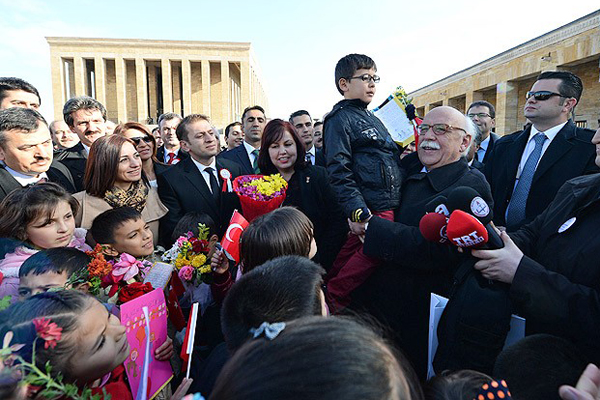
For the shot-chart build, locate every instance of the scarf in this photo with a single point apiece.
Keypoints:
(136, 196)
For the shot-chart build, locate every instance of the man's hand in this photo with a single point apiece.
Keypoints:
(588, 386)
(358, 228)
(501, 264)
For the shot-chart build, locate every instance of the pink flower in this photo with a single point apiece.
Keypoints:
(48, 331)
(127, 267)
(186, 273)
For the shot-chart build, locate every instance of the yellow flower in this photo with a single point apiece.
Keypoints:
(198, 260)
(181, 262)
(205, 269)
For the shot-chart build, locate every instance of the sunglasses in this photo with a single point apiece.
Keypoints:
(542, 95)
(138, 140)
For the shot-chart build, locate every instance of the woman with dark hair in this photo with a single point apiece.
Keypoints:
(282, 152)
(114, 178)
(145, 144)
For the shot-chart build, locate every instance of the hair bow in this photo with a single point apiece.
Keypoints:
(270, 330)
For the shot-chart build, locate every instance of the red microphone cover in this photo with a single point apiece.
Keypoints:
(433, 227)
(464, 230)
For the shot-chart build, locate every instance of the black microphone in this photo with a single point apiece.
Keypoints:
(438, 205)
(467, 199)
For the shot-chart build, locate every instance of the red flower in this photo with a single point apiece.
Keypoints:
(48, 331)
(134, 290)
(113, 282)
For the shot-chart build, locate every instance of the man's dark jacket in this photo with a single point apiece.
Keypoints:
(557, 285)
(571, 154)
(398, 292)
(183, 189)
(75, 159)
(363, 161)
(57, 173)
(239, 156)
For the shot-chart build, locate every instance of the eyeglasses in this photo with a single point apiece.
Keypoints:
(438, 129)
(542, 95)
(138, 140)
(479, 115)
(366, 78)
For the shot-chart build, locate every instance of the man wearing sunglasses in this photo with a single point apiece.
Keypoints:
(526, 169)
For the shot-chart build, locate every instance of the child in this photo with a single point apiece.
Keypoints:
(90, 349)
(284, 231)
(316, 358)
(50, 269)
(122, 230)
(41, 216)
(364, 169)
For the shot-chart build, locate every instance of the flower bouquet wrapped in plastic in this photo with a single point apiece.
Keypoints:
(259, 194)
(190, 255)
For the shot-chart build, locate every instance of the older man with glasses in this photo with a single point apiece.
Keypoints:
(398, 292)
(526, 169)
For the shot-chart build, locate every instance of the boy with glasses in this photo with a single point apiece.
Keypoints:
(364, 170)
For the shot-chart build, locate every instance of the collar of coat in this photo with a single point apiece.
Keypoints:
(442, 177)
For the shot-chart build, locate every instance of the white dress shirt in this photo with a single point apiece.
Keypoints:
(205, 174)
(249, 150)
(313, 155)
(25, 180)
(550, 134)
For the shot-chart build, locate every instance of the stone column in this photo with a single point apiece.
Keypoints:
(206, 87)
(245, 84)
(507, 102)
(225, 92)
(100, 70)
(58, 89)
(79, 73)
(121, 83)
(167, 85)
(472, 96)
(142, 89)
(152, 92)
(186, 80)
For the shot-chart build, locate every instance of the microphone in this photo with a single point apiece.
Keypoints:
(464, 230)
(433, 227)
(467, 199)
(438, 205)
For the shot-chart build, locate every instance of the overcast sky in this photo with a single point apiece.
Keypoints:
(297, 43)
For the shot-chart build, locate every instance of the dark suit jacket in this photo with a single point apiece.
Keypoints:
(478, 165)
(320, 158)
(488, 151)
(75, 159)
(57, 173)
(570, 154)
(240, 157)
(309, 190)
(160, 154)
(183, 189)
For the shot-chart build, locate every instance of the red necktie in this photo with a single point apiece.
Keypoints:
(171, 158)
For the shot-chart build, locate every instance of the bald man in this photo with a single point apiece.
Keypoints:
(399, 291)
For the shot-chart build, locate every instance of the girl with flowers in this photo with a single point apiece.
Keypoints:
(39, 217)
(308, 188)
(74, 334)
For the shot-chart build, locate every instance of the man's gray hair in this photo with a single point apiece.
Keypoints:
(472, 130)
(167, 117)
(19, 119)
(81, 103)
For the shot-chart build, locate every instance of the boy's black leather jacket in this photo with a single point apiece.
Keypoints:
(362, 159)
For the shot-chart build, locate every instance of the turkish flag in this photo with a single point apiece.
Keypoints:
(231, 239)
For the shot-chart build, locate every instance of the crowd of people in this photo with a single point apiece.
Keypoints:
(330, 297)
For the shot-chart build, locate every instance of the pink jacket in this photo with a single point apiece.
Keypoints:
(12, 262)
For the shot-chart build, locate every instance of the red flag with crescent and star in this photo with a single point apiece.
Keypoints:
(231, 239)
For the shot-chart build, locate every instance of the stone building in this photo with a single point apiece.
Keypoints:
(504, 79)
(137, 80)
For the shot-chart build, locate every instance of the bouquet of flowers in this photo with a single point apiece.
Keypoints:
(191, 257)
(120, 279)
(259, 194)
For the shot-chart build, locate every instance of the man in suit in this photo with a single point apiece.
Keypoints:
(475, 144)
(86, 117)
(234, 136)
(15, 92)
(483, 115)
(196, 183)
(62, 136)
(303, 124)
(526, 169)
(246, 155)
(26, 151)
(170, 152)
(318, 135)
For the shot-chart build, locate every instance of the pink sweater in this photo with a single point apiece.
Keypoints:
(12, 262)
